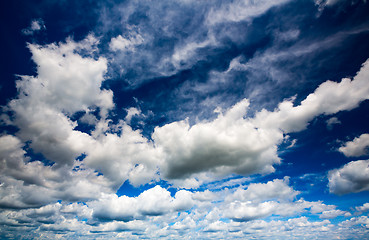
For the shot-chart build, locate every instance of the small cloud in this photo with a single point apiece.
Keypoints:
(363, 208)
(351, 178)
(357, 147)
(36, 25)
(331, 122)
(129, 43)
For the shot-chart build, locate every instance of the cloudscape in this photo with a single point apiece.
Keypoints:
(184, 119)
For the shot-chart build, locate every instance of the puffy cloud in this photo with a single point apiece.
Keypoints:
(276, 189)
(329, 98)
(357, 147)
(129, 156)
(351, 178)
(261, 200)
(245, 211)
(352, 222)
(152, 202)
(67, 82)
(36, 25)
(227, 144)
(28, 183)
(233, 143)
(363, 208)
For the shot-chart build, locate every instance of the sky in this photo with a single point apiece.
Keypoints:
(184, 119)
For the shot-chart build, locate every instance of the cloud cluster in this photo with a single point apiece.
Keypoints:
(27, 183)
(61, 170)
(231, 143)
(157, 214)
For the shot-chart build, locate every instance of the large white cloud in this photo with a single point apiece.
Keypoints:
(329, 98)
(233, 143)
(261, 200)
(357, 147)
(228, 144)
(352, 177)
(152, 202)
(66, 82)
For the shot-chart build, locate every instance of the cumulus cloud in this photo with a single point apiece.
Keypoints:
(261, 200)
(276, 189)
(330, 214)
(351, 178)
(329, 98)
(363, 208)
(27, 183)
(153, 202)
(129, 154)
(67, 82)
(233, 143)
(228, 144)
(357, 147)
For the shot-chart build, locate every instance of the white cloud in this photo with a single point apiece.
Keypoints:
(225, 145)
(237, 11)
(152, 202)
(276, 189)
(66, 83)
(30, 183)
(131, 112)
(331, 122)
(352, 177)
(357, 147)
(66, 80)
(233, 143)
(245, 211)
(36, 25)
(330, 214)
(129, 156)
(363, 208)
(329, 98)
(120, 43)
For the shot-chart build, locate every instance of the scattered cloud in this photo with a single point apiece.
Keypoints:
(363, 208)
(352, 177)
(78, 160)
(357, 147)
(36, 25)
(331, 122)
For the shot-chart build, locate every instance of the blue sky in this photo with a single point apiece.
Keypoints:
(184, 119)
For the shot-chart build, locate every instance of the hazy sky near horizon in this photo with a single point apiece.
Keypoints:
(184, 119)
